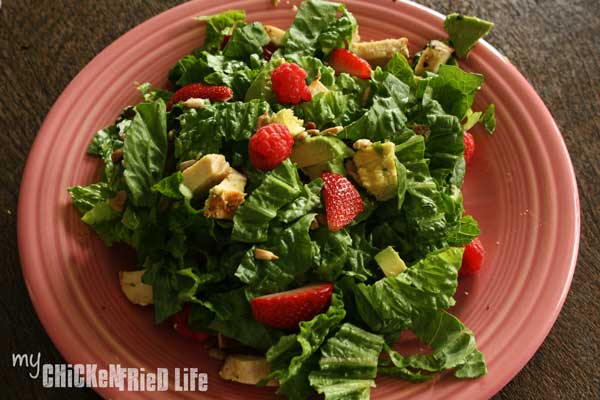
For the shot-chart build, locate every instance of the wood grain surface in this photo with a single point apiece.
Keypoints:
(554, 43)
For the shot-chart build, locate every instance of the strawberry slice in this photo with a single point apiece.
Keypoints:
(472, 258)
(181, 326)
(200, 91)
(285, 310)
(469, 147)
(343, 60)
(342, 201)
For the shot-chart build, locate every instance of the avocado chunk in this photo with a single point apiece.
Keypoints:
(336, 166)
(464, 32)
(390, 262)
(317, 150)
(376, 168)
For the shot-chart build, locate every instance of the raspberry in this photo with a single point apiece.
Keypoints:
(269, 146)
(289, 84)
(469, 147)
(472, 258)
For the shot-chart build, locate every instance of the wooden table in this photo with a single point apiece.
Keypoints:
(555, 44)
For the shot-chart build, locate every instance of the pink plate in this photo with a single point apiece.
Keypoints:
(521, 187)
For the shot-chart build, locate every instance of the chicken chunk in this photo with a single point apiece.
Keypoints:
(224, 198)
(205, 173)
(381, 51)
(135, 290)
(435, 54)
(246, 369)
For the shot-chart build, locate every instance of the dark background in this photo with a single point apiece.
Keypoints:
(554, 43)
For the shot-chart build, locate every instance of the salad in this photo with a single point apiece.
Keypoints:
(295, 200)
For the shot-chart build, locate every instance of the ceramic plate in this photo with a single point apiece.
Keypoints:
(520, 186)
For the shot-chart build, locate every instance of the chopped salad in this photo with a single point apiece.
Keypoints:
(295, 200)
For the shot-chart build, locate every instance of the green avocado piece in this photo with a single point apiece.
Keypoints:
(336, 165)
(376, 168)
(464, 32)
(390, 262)
(317, 150)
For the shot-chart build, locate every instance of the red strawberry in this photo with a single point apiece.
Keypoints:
(342, 201)
(269, 146)
(469, 147)
(472, 258)
(285, 310)
(181, 326)
(343, 60)
(200, 91)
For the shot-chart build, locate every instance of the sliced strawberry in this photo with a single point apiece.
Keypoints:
(342, 201)
(181, 326)
(285, 310)
(469, 147)
(200, 91)
(472, 258)
(343, 60)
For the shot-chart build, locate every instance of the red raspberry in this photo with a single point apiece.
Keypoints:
(289, 84)
(200, 91)
(342, 201)
(469, 147)
(269, 146)
(472, 258)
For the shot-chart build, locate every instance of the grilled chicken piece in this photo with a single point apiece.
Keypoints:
(246, 369)
(381, 51)
(135, 290)
(205, 173)
(435, 54)
(224, 198)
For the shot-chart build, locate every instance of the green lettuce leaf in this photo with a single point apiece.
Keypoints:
(455, 89)
(488, 119)
(295, 356)
(204, 130)
(292, 245)
(307, 202)
(453, 347)
(312, 19)
(145, 151)
(348, 364)
(247, 39)
(401, 69)
(385, 120)
(219, 25)
(280, 187)
(390, 304)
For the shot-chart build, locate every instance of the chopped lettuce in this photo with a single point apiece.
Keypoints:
(295, 356)
(348, 364)
(279, 187)
(210, 264)
(145, 151)
(217, 26)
